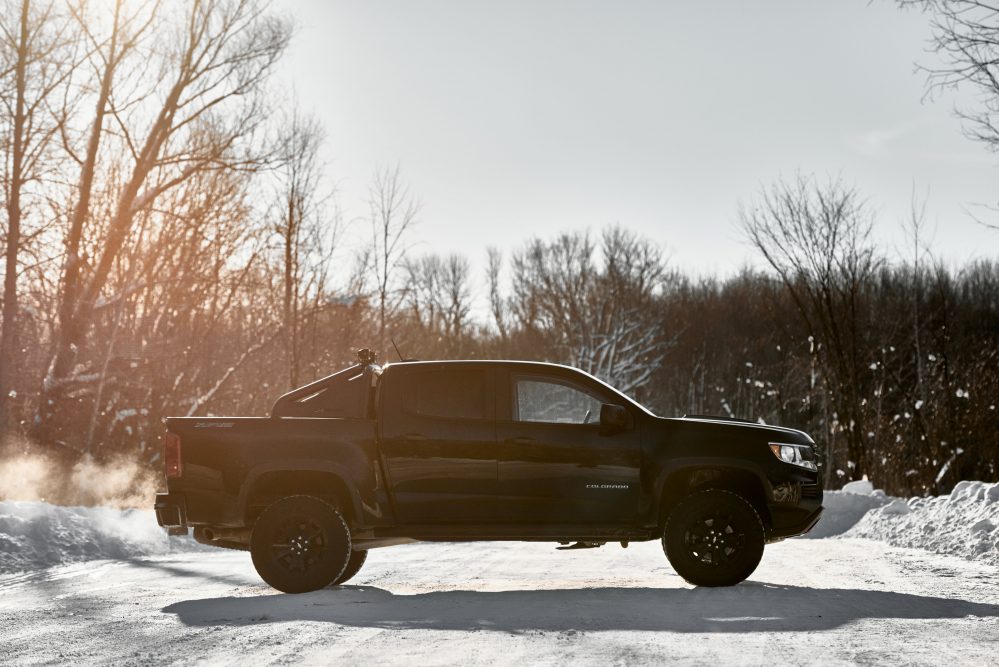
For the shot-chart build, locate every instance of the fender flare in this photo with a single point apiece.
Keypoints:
(681, 465)
(301, 465)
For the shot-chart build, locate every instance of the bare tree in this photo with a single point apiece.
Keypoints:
(601, 319)
(393, 213)
(496, 301)
(457, 297)
(439, 300)
(307, 232)
(36, 60)
(423, 277)
(817, 239)
(633, 341)
(549, 289)
(966, 37)
(915, 231)
(199, 114)
(173, 320)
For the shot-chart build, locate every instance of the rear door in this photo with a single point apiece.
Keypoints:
(554, 464)
(438, 440)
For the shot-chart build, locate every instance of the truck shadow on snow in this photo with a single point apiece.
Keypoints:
(749, 607)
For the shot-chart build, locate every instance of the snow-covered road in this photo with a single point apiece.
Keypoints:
(825, 601)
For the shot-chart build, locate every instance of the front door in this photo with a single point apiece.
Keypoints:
(438, 440)
(554, 465)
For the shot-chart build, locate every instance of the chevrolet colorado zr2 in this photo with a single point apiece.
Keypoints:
(449, 451)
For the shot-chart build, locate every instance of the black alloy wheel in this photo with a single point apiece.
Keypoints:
(714, 538)
(300, 544)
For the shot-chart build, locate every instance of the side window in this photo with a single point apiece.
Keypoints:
(447, 394)
(538, 400)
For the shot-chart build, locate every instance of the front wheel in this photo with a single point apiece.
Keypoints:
(714, 538)
(300, 544)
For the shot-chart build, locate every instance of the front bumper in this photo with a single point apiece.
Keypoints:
(795, 502)
(792, 521)
(171, 510)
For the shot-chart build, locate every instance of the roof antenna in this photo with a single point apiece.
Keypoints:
(397, 349)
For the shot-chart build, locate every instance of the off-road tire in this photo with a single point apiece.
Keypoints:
(300, 544)
(714, 538)
(354, 565)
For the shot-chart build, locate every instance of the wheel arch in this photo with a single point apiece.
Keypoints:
(680, 482)
(268, 483)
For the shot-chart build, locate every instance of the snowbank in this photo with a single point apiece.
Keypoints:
(36, 535)
(844, 508)
(964, 523)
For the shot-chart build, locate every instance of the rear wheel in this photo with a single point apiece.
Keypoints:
(300, 544)
(714, 538)
(357, 559)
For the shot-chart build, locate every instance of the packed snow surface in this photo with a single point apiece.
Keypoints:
(36, 535)
(826, 602)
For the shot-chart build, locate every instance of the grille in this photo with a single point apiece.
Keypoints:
(810, 490)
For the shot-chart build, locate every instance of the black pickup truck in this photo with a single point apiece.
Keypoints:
(481, 450)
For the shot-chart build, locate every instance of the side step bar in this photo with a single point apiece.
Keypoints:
(502, 532)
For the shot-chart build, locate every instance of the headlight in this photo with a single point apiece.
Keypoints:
(799, 455)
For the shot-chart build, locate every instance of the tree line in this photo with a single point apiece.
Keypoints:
(173, 246)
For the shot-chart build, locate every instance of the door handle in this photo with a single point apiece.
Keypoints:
(522, 440)
(415, 437)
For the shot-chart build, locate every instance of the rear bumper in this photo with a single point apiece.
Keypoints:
(171, 510)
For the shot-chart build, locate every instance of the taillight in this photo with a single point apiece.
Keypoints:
(171, 456)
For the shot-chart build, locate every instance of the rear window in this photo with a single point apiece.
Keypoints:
(446, 394)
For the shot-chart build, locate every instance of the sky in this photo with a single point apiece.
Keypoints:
(527, 118)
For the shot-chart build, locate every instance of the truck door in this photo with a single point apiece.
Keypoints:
(554, 464)
(438, 439)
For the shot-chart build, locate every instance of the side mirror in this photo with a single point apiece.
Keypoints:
(614, 418)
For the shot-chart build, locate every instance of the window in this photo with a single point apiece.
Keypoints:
(446, 394)
(540, 400)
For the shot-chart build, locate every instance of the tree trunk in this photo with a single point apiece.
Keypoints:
(70, 330)
(8, 336)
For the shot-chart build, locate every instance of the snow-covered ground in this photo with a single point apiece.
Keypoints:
(36, 535)
(852, 598)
